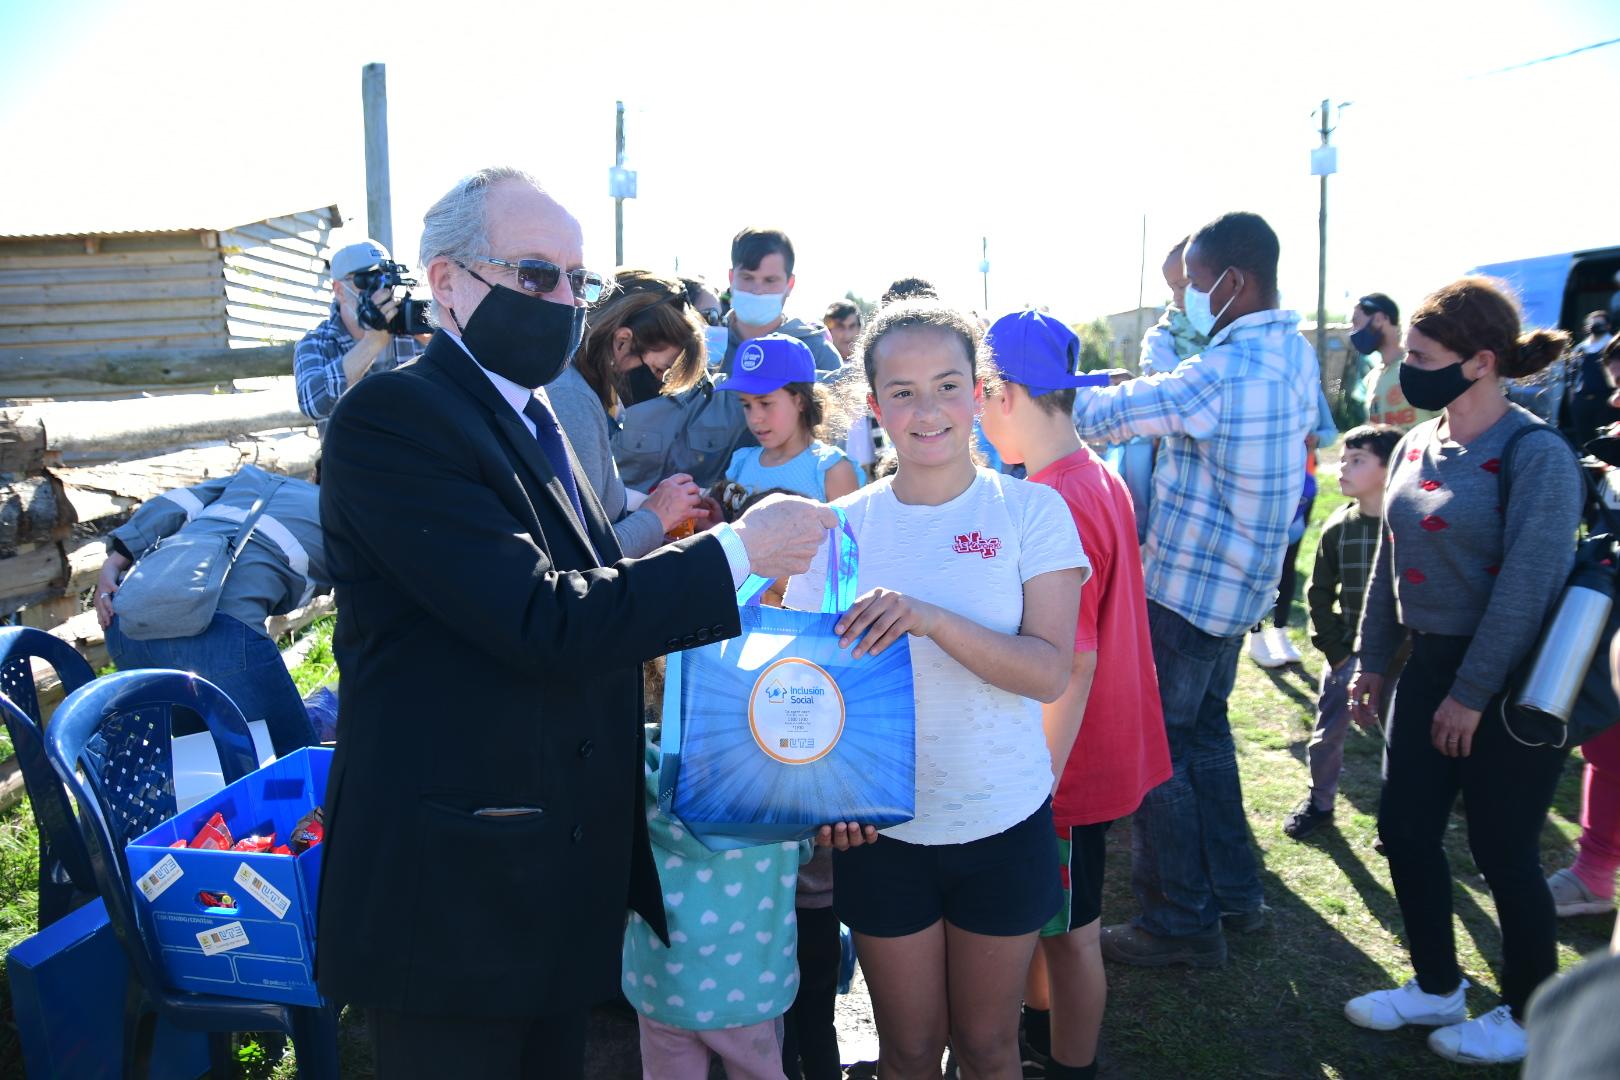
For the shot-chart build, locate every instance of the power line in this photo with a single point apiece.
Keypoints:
(1544, 59)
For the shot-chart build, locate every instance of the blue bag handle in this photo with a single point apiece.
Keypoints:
(843, 563)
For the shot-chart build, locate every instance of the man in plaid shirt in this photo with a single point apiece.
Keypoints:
(1232, 423)
(340, 352)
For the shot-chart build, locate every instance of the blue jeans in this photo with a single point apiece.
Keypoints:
(1191, 853)
(237, 659)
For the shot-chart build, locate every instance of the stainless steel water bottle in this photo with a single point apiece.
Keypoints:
(1568, 643)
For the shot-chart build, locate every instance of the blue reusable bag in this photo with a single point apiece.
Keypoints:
(776, 732)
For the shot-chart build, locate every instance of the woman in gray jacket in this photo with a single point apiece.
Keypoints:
(278, 569)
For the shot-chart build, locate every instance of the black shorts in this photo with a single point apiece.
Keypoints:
(1082, 850)
(1003, 885)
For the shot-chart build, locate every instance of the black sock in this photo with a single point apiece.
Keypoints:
(1056, 1070)
(1038, 1029)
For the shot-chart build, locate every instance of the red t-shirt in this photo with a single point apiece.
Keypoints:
(1121, 752)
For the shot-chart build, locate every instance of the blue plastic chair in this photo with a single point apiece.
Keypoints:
(65, 878)
(109, 743)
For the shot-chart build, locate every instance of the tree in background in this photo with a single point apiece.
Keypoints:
(1096, 345)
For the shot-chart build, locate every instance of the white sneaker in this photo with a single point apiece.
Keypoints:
(1386, 1010)
(1261, 650)
(1493, 1039)
(1281, 646)
(1572, 897)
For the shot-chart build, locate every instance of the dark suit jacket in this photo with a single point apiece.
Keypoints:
(490, 652)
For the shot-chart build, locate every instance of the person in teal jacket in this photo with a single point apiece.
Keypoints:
(731, 969)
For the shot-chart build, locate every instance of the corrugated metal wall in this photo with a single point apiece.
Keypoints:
(99, 294)
(276, 281)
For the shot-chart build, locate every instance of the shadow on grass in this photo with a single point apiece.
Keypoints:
(1294, 681)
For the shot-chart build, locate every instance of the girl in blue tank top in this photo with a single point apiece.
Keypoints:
(774, 376)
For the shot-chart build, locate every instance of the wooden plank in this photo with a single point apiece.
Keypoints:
(101, 491)
(121, 331)
(139, 368)
(164, 343)
(293, 323)
(109, 311)
(233, 243)
(113, 272)
(254, 288)
(199, 254)
(262, 233)
(80, 292)
(271, 275)
(48, 613)
(111, 429)
(30, 576)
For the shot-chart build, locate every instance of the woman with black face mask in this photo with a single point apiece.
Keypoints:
(643, 339)
(1470, 578)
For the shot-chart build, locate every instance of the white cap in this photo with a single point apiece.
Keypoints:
(362, 256)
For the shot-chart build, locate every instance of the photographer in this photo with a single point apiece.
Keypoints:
(342, 350)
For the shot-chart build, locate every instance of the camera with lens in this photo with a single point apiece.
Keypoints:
(409, 320)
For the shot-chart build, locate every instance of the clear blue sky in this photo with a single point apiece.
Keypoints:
(886, 137)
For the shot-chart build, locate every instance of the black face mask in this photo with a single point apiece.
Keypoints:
(1366, 340)
(1434, 390)
(527, 339)
(641, 383)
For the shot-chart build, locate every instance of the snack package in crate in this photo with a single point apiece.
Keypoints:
(776, 732)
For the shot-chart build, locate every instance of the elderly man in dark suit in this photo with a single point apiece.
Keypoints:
(485, 826)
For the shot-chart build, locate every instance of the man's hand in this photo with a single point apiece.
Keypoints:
(783, 533)
(675, 500)
(845, 835)
(1452, 730)
(1367, 699)
(384, 299)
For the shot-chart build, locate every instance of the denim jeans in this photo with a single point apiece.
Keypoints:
(1191, 853)
(237, 659)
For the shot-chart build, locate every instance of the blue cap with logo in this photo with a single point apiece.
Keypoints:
(767, 363)
(1036, 351)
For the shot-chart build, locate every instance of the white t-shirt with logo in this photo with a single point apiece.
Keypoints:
(982, 763)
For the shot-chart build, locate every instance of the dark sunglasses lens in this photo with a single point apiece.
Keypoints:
(537, 277)
(711, 316)
(587, 286)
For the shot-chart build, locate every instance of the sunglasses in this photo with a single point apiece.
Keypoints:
(711, 316)
(538, 277)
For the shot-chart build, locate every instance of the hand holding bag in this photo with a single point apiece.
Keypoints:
(173, 590)
(776, 732)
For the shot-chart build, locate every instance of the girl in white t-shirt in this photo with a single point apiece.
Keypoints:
(984, 572)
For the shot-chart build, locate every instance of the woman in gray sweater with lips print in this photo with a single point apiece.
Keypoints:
(1472, 581)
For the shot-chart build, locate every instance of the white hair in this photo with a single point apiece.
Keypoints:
(454, 227)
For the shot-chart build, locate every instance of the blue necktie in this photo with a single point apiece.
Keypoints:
(548, 433)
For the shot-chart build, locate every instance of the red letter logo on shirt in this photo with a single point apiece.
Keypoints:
(966, 543)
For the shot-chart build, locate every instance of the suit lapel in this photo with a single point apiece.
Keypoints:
(464, 373)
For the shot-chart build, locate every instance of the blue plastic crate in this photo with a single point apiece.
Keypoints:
(263, 947)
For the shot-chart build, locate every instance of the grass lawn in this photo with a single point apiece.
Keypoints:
(1275, 1010)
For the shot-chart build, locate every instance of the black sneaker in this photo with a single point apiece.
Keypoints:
(1033, 1061)
(1247, 922)
(1306, 819)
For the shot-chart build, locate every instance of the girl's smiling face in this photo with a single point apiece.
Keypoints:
(924, 394)
(774, 418)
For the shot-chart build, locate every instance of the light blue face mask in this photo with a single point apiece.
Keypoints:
(1197, 310)
(757, 309)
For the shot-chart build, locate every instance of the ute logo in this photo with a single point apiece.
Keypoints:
(968, 543)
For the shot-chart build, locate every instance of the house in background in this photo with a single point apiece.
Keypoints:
(117, 288)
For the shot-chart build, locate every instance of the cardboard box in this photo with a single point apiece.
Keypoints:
(262, 946)
(67, 994)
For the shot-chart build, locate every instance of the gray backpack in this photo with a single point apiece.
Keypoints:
(695, 431)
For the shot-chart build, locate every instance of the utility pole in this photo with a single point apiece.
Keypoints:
(984, 268)
(1324, 162)
(379, 203)
(618, 202)
(1141, 275)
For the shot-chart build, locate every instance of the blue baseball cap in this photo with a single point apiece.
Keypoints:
(1038, 352)
(768, 363)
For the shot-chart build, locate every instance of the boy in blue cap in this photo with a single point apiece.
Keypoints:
(1120, 752)
(775, 378)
